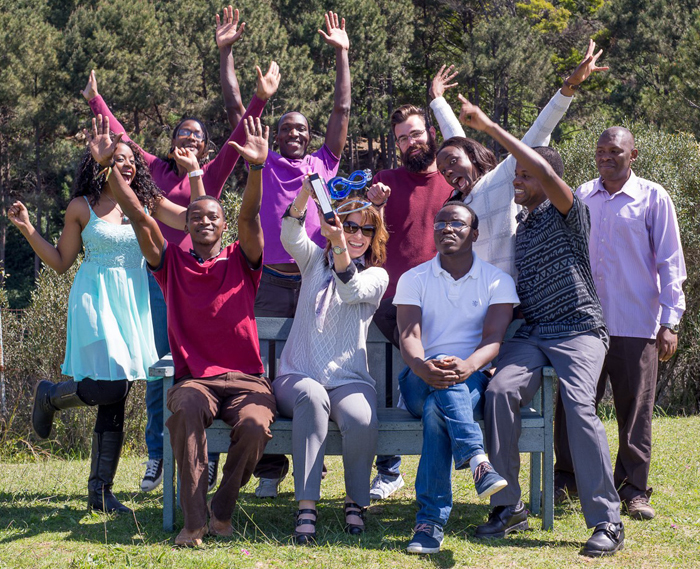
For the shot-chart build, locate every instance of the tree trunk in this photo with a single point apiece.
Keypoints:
(38, 188)
(382, 142)
(370, 153)
(137, 123)
(352, 154)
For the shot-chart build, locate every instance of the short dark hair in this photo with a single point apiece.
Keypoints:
(291, 113)
(459, 203)
(552, 157)
(403, 112)
(201, 199)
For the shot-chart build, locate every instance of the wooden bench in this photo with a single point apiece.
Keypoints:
(399, 432)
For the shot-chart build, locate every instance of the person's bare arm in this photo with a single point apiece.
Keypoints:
(228, 32)
(61, 257)
(102, 147)
(409, 318)
(556, 190)
(250, 233)
(337, 129)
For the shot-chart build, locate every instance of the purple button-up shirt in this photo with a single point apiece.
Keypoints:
(636, 256)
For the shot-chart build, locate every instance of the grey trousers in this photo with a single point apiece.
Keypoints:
(577, 361)
(353, 408)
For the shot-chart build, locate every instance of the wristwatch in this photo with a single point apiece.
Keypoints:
(672, 327)
(339, 250)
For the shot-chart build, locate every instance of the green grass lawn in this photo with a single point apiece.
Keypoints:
(44, 522)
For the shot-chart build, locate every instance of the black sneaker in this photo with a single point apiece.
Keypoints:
(153, 476)
(427, 538)
(607, 539)
(502, 521)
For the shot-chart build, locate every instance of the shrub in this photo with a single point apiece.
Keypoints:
(672, 160)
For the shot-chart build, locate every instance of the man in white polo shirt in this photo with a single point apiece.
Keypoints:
(455, 310)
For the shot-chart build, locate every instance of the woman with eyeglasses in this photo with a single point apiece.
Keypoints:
(323, 368)
(173, 181)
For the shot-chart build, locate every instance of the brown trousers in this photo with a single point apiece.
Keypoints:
(243, 401)
(631, 366)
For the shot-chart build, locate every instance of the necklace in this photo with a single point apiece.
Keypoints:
(125, 219)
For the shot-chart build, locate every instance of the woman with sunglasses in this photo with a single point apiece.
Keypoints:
(173, 181)
(323, 368)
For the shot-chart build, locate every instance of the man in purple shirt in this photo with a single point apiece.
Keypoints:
(638, 269)
(283, 176)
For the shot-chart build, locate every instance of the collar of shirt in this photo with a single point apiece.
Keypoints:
(524, 215)
(473, 273)
(202, 261)
(631, 187)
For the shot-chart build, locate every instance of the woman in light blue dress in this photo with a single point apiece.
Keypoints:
(109, 332)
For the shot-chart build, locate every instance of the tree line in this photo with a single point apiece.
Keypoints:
(157, 60)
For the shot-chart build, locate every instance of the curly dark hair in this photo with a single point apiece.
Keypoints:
(89, 182)
(208, 145)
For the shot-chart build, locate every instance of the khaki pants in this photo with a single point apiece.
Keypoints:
(243, 401)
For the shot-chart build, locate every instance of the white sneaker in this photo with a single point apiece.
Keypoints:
(268, 487)
(383, 486)
(154, 474)
(213, 471)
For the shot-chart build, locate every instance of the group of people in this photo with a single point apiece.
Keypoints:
(446, 253)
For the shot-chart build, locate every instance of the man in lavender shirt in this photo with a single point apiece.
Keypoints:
(638, 269)
(283, 176)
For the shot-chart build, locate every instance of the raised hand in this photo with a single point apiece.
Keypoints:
(334, 233)
(100, 142)
(19, 216)
(254, 151)
(268, 83)
(472, 116)
(185, 158)
(336, 35)
(441, 81)
(378, 193)
(587, 66)
(90, 91)
(228, 32)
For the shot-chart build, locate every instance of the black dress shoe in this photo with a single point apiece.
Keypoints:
(607, 539)
(502, 521)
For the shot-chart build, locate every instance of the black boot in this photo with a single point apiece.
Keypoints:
(49, 398)
(106, 449)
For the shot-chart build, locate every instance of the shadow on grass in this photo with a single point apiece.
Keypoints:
(389, 524)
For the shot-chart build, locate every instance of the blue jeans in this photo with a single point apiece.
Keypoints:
(450, 431)
(154, 389)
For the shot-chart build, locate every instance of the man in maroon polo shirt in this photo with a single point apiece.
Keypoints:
(209, 294)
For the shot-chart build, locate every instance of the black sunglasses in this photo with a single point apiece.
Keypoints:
(352, 227)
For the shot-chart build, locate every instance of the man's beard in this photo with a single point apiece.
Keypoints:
(420, 161)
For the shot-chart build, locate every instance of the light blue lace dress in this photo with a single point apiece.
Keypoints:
(109, 331)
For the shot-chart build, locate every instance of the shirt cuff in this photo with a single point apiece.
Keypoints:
(671, 316)
(346, 276)
(287, 213)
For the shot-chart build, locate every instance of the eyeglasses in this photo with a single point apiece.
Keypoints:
(413, 135)
(352, 227)
(456, 225)
(185, 132)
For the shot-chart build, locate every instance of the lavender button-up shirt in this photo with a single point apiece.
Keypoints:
(636, 256)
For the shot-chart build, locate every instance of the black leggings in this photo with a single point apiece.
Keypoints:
(110, 398)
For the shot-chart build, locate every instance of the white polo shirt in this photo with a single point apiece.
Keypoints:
(453, 311)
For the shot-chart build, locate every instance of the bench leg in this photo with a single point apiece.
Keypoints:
(548, 488)
(535, 481)
(168, 485)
